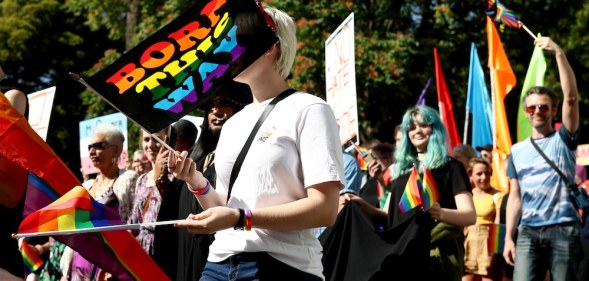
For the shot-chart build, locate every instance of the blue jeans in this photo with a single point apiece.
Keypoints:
(254, 267)
(556, 248)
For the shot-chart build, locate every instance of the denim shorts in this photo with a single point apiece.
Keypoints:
(253, 266)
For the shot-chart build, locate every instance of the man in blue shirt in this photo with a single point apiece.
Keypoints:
(549, 232)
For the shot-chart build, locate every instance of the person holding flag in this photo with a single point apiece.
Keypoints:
(424, 145)
(549, 233)
(288, 184)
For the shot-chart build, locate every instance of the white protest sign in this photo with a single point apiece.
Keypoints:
(340, 79)
(40, 104)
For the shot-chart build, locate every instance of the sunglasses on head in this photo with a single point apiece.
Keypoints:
(99, 145)
(542, 107)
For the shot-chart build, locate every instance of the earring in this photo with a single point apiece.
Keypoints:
(115, 160)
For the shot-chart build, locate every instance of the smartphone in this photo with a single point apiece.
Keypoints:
(368, 157)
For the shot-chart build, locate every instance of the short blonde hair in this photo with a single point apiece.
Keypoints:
(287, 39)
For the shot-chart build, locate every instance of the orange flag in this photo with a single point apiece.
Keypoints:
(445, 105)
(502, 81)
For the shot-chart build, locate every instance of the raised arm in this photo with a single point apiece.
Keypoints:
(568, 82)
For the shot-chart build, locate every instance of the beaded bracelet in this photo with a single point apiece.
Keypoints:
(201, 191)
(248, 219)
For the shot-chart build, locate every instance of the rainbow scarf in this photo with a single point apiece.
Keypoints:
(411, 195)
(496, 240)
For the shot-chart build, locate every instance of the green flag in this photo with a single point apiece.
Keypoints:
(534, 77)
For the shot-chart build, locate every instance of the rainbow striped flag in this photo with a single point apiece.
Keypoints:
(429, 195)
(411, 195)
(31, 260)
(362, 152)
(74, 210)
(496, 240)
(115, 251)
(503, 15)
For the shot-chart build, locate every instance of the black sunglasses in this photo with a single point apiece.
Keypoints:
(532, 108)
(99, 145)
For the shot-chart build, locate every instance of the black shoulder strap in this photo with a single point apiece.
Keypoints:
(248, 142)
(560, 173)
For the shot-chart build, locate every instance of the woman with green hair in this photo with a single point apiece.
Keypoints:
(424, 145)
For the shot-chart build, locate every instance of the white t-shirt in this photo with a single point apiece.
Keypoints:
(296, 147)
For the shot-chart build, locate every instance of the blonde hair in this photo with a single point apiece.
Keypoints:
(287, 39)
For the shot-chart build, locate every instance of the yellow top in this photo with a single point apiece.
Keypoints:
(487, 206)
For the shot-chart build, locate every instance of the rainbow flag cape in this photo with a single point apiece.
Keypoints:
(411, 195)
(119, 254)
(31, 260)
(496, 240)
(429, 195)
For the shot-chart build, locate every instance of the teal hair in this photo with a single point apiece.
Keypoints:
(436, 153)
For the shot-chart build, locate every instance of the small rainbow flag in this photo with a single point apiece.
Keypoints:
(411, 195)
(362, 153)
(496, 240)
(503, 15)
(31, 260)
(429, 195)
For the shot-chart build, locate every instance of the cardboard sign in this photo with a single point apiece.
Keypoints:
(40, 104)
(340, 80)
(181, 66)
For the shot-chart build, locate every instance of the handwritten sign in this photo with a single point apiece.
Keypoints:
(340, 80)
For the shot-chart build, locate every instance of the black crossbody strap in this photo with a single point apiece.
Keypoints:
(560, 173)
(248, 142)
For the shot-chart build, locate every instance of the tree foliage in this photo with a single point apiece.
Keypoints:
(45, 39)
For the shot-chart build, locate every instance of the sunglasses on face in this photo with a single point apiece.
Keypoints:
(99, 145)
(542, 107)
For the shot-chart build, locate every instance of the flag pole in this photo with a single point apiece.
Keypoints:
(466, 121)
(93, 229)
(528, 30)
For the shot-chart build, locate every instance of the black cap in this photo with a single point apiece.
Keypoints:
(488, 147)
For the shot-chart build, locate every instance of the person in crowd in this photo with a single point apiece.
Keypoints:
(398, 135)
(112, 187)
(12, 202)
(549, 232)
(424, 146)
(141, 164)
(193, 249)
(147, 198)
(380, 169)
(480, 263)
(289, 182)
(463, 153)
(352, 173)
(486, 152)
